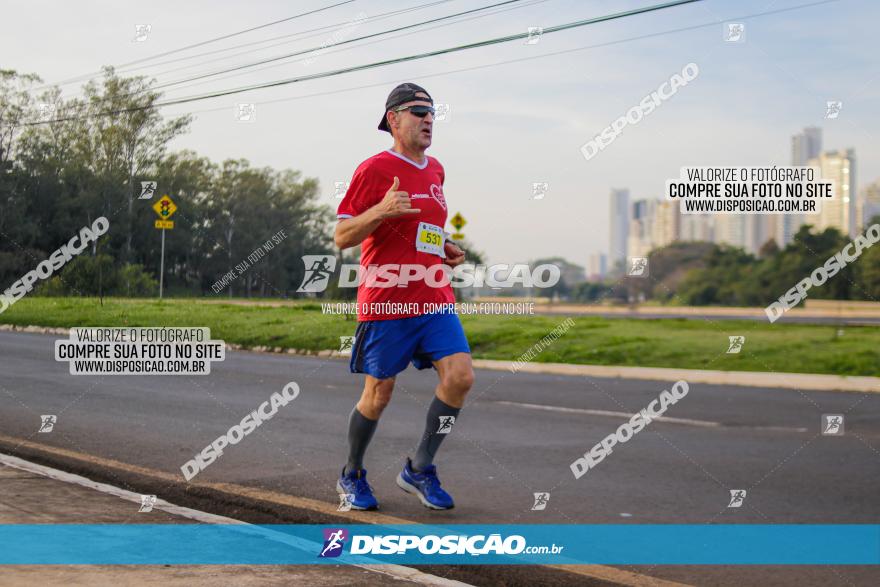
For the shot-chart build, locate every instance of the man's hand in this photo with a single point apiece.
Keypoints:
(351, 232)
(454, 254)
(395, 203)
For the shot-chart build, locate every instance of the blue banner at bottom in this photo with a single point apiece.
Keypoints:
(630, 544)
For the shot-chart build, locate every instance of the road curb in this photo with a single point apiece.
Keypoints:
(396, 571)
(800, 381)
(271, 507)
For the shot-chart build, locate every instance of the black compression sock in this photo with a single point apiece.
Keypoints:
(438, 424)
(360, 432)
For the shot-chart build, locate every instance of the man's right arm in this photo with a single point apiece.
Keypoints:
(351, 232)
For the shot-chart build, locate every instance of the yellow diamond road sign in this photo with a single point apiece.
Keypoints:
(458, 221)
(165, 207)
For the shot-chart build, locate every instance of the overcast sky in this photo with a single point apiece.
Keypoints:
(511, 124)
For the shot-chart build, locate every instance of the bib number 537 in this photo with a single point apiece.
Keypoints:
(430, 239)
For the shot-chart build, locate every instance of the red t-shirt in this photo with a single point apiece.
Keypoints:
(394, 240)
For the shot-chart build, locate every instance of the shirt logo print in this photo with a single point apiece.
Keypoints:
(437, 194)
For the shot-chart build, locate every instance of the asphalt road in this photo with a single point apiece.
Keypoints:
(517, 436)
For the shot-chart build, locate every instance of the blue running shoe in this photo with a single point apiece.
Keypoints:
(355, 483)
(426, 486)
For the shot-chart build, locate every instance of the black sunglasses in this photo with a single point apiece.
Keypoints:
(420, 111)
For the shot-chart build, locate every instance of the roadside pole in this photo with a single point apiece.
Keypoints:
(162, 266)
(165, 208)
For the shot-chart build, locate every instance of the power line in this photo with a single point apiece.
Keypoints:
(489, 42)
(345, 42)
(313, 49)
(454, 49)
(541, 56)
(371, 19)
(202, 43)
(529, 3)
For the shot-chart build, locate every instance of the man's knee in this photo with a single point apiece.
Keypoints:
(459, 380)
(378, 395)
(382, 398)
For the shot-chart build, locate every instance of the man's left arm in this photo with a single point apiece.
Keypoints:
(454, 253)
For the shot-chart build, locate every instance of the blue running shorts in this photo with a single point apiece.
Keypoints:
(382, 348)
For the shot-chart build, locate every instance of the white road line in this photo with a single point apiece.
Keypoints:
(397, 571)
(627, 416)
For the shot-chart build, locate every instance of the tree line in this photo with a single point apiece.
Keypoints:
(702, 273)
(66, 161)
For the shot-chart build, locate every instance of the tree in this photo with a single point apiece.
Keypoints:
(768, 249)
(869, 274)
(17, 109)
(667, 268)
(807, 251)
(868, 270)
(126, 136)
(590, 292)
(246, 207)
(187, 178)
(723, 280)
(570, 274)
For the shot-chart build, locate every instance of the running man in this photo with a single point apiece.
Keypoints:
(395, 209)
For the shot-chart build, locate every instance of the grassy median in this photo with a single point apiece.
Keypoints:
(676, 343)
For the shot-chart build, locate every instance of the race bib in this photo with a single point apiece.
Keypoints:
(430, 239)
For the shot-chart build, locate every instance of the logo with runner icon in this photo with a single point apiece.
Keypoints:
(334, 541)
(446, 423)
(319, 268)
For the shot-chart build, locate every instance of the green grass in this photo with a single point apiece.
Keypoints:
(675, 343)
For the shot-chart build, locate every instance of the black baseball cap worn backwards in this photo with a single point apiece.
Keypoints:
(401, 95)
